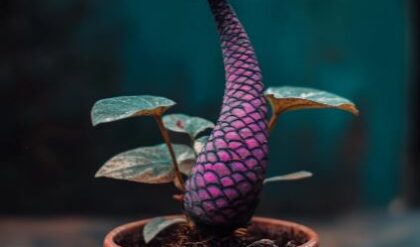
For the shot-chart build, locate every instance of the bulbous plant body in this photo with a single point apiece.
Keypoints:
(223, 190)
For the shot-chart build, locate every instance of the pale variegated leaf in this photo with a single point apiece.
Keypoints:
(289, 177)
(294, 98)
(188, 161)
(199, 143)
(147, 164)
(113, 109)
(157, 225)
(187, 124)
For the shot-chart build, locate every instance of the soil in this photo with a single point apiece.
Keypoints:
(182, 235)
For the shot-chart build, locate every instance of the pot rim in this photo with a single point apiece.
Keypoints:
(313, 238)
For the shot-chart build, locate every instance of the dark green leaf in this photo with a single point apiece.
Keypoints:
(147, 164)
(186, 124)
(157, 225)
(294, 98)
(113, 109)
(289, 177)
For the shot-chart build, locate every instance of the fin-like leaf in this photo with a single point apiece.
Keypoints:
(113, 109)
(187, 124)
(199, 143)
(157, 225)
(289, 177)
(151, 165)
(294, 98)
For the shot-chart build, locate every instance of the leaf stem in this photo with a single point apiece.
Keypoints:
(167, 140)
(273, 120)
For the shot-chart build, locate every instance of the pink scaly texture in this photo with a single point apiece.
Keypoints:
(224, 188)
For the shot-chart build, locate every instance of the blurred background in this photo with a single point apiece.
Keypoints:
(58, 57)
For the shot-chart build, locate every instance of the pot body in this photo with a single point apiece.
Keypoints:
(132, 231)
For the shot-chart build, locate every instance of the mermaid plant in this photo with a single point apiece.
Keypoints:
(225, 171)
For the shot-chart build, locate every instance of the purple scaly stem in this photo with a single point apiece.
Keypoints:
(223, 190)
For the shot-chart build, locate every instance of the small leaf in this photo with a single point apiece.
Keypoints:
(113, 109)
(200, 143)
(267, 243)
(186, 161)
(157, 225)
(186, 124)
(295, 98)
(151, 165)
(289, 177)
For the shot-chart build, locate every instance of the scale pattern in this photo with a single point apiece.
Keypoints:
(224, 188)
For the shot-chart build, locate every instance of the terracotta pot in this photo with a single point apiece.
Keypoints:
(131, 232)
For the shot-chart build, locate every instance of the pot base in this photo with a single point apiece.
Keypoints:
(130, 235)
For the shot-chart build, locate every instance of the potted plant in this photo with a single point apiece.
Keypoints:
(219, 177)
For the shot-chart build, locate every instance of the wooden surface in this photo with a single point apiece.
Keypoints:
(357, 230)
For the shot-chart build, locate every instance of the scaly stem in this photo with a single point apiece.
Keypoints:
(167, 140)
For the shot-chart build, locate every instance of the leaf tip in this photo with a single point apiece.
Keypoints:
(94, 123)
(157, 225)
(93, 113)
(351, 108)
(290, 177)
(99, 174)
(307, 174)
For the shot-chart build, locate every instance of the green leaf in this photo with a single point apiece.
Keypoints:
(187, 124)
(200, 143)
(151, 165)
(294, 98)
(289, 177)
(113, 109)
(157, 225)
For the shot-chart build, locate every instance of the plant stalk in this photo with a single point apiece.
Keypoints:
(167, 140)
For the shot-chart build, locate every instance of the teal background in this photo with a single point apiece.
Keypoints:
(62, 56)
(357, 49)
